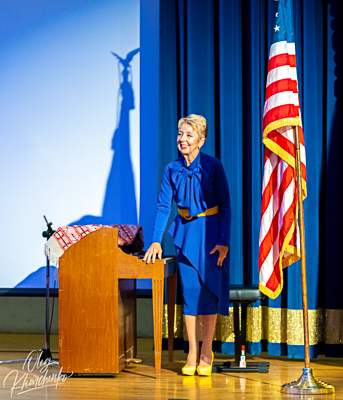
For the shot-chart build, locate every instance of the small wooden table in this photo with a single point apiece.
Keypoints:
(97, 305)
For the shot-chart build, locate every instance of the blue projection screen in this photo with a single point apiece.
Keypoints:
(69, 123)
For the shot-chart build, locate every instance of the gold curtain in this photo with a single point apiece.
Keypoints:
(276, 325)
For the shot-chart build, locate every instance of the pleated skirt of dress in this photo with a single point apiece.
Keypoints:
(201, 277)
(198, 299)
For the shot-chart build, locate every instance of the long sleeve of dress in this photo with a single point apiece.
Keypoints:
(221, 188)
(163, 207)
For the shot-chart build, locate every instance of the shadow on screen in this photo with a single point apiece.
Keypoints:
(37, 279)
(120, 205)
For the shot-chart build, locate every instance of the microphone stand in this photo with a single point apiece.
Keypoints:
(46, 353)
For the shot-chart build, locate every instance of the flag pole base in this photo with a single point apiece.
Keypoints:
(307, 384)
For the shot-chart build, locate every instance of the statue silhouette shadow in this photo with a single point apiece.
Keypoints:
(120, 205)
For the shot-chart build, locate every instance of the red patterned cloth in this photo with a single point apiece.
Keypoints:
(130, 236)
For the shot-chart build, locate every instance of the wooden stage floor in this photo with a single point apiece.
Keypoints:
(137, 381)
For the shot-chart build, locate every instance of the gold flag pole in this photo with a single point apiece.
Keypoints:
(307, 383)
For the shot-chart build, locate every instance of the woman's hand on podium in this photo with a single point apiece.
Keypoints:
(154, 249)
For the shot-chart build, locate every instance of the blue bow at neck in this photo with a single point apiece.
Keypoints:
(189, 192)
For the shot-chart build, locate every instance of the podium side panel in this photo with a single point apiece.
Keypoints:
(88, 302)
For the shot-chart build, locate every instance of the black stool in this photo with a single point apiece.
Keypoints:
(243, 295)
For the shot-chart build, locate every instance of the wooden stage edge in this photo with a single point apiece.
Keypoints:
(137, 381)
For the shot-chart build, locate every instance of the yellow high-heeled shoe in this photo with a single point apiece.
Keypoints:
(205, 371)
(189, 370)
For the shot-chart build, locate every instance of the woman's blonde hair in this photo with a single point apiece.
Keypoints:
(197, 122)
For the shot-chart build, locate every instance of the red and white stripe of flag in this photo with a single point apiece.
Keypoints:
(279, 233)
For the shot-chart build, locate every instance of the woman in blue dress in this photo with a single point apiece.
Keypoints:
(201, 232)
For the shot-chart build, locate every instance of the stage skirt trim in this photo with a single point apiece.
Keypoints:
(273, 325)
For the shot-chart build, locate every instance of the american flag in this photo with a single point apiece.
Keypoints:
(279, 232)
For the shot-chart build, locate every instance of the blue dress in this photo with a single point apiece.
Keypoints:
(197, 187)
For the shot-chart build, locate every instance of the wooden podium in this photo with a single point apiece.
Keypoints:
(97, 305)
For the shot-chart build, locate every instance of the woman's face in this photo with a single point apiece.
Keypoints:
(188, 141)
